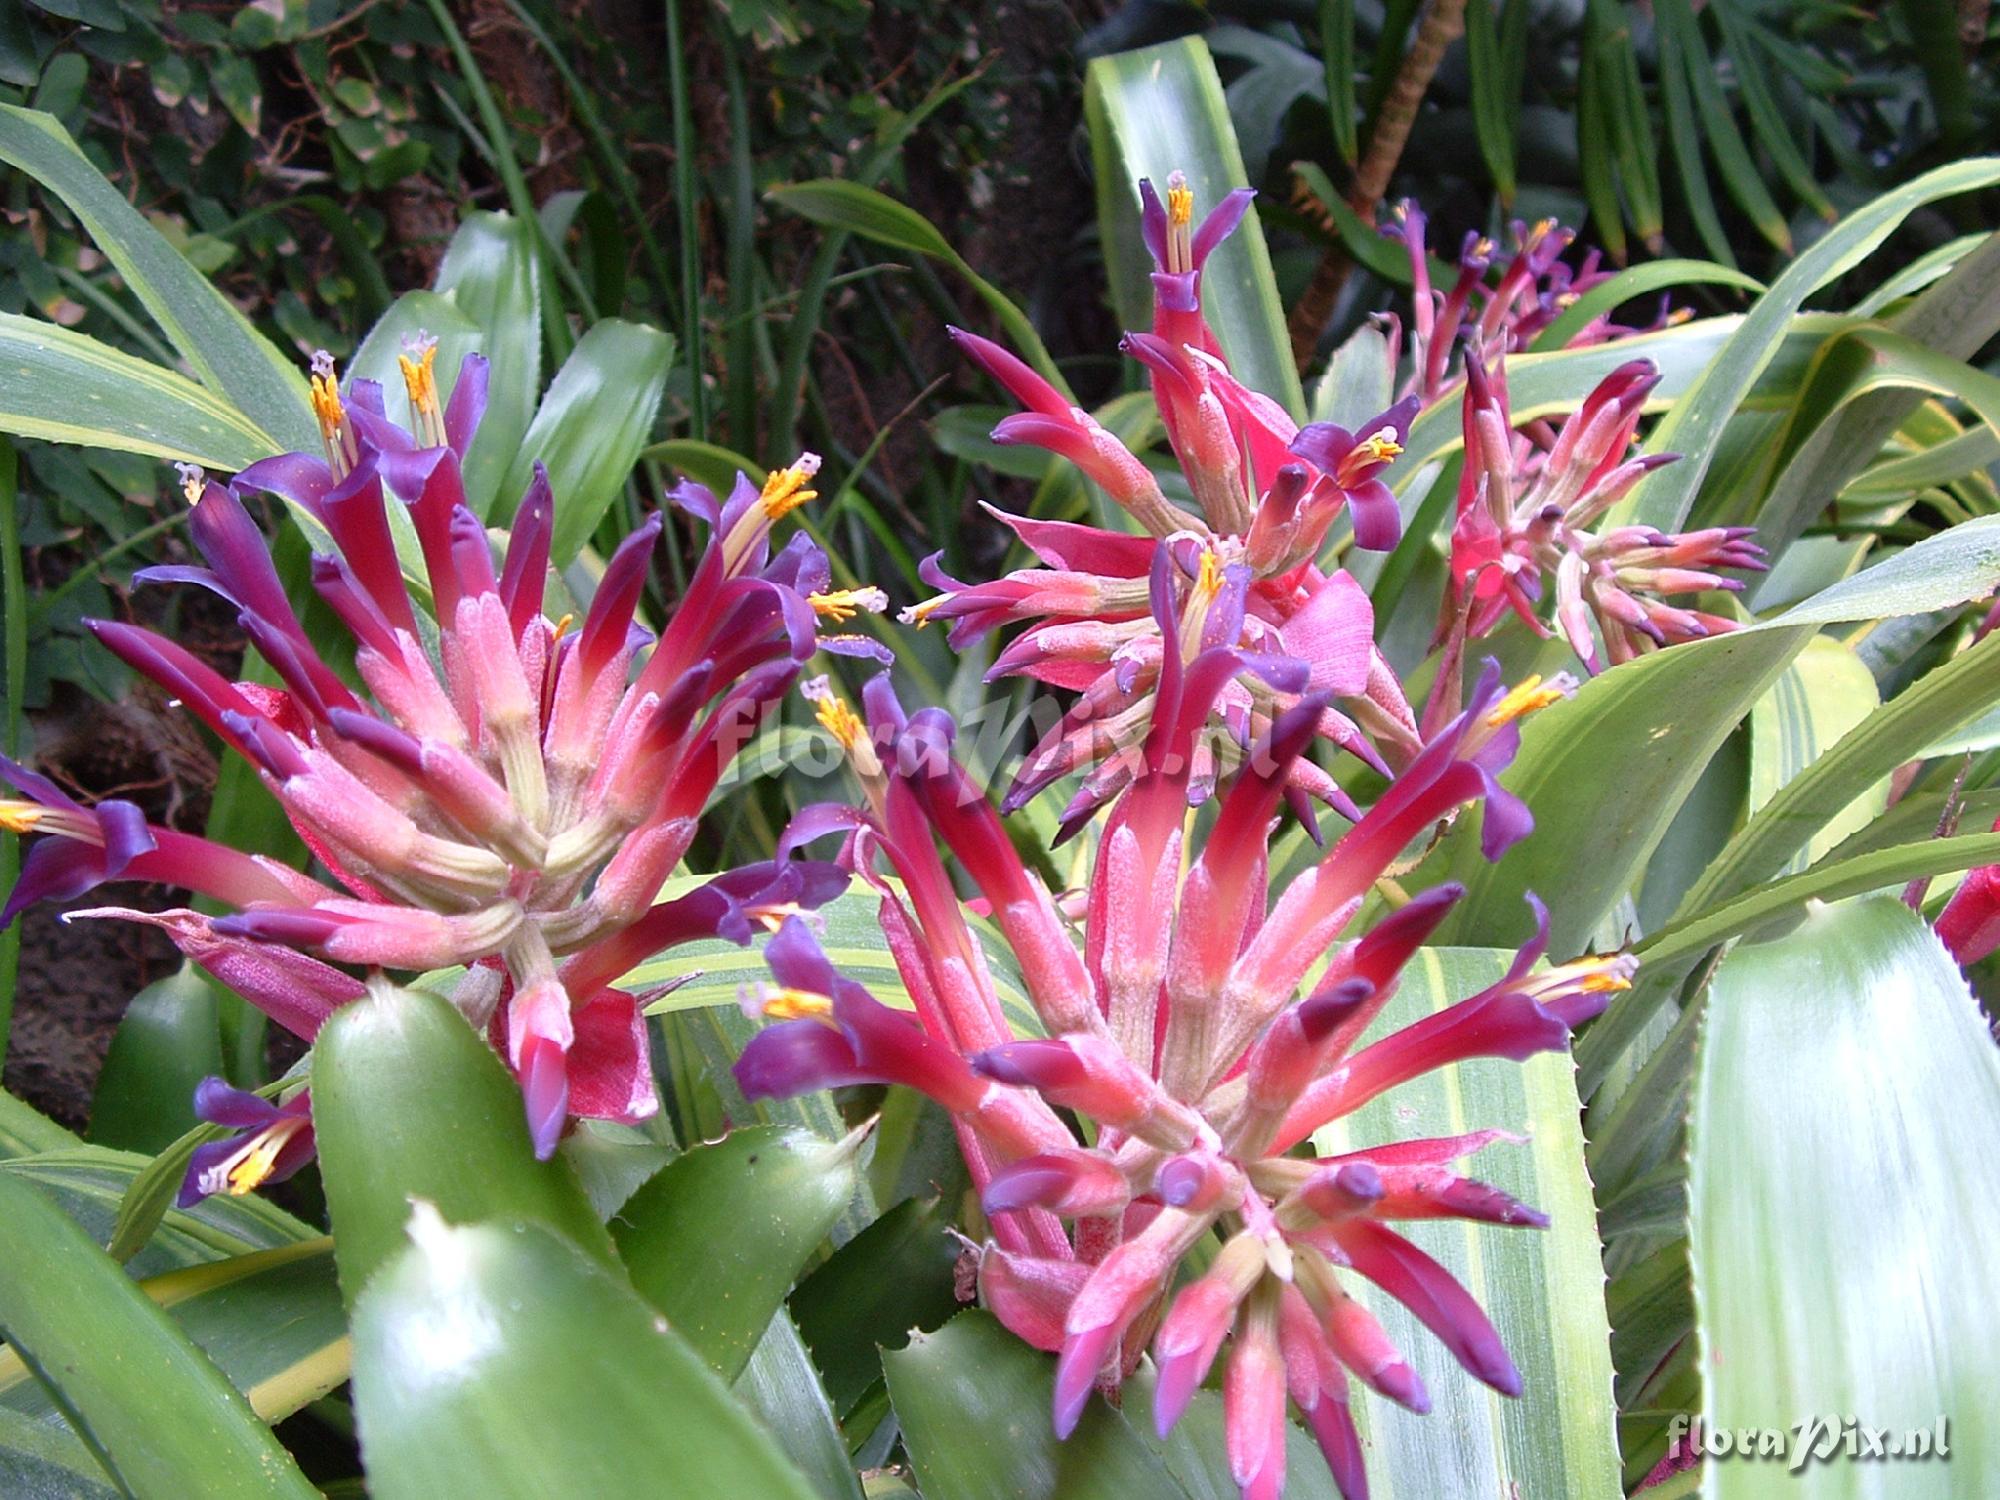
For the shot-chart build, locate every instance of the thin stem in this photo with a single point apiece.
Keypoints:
(16, 625)
(685, 205)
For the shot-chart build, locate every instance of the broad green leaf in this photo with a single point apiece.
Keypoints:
(491, 272)
(231, 358)
(409, 1103)
(1823, 694)
(1939, 702)
(705, 463)
(270, 1320)
(1154, 112)
(156, 1411)
(166, 1043)
(1829, 880)
(716, 1239)
(876, 216)
(1665, 497)
(413, 315)
(26, 1131)
(894, 1276)
(499, 1360)
(1834, 1268)
(1543, 1289)
(782, 1389)
(974, 1404)
(593, 421)
(90, 1183)
(65, 387)
(1358, 381)
(41, 1461)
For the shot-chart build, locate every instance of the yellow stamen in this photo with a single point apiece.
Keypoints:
(563, 625)
(785, 489)
(1525, 697)
(1377, 448)
(840, 721)
(1567, 299)
(332, 416)
(418, 364)
(194, 482)
(772, 917)
(1208, 582)
(252, 1169)
(1482, 247)
(1180, 219)
(21, 817)
(1542, 227)
(919, 614)
(788, 1004)
(1679, 316)
(1607, 980)
(841, 605)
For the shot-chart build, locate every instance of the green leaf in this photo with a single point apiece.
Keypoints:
(165, 1045)
(41, 1461)
(893, 1277)
(1154, 112)
(1829, 880)
(409, 1103)
(231, 358)
(153, 1407)
(26, 1131)
(876, 216)
(1831, 1267)
(716, 1239)
(974, 1404)
(783, 1390)
(270, 1320)
(1358, 381)
(409, 316)
(65, 387)
(1935, 704)
(491, 273)
(1542, 1288)
(497, 1359)
(90, 1182)
(1665, 497)
(592, 424)
(1823, 694)
(1855, 402)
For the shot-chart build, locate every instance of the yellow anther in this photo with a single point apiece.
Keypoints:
(1482, 246)
(1525, 697)
(21, 817)
(563, 625)
(833, 713)
(841, 605)
(418, 363)
(788, 1004)
(919, 614)
(1542, 227)
(785, 489)
(772, 917)
(1180, 219)
(1679, 316)
(1208, 582)
(332, 416)
(252, 1169)
(194, 482)
(1606, 980)
(1567, 299)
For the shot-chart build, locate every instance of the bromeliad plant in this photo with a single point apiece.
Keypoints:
(1213, 1101)
(510, 795)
